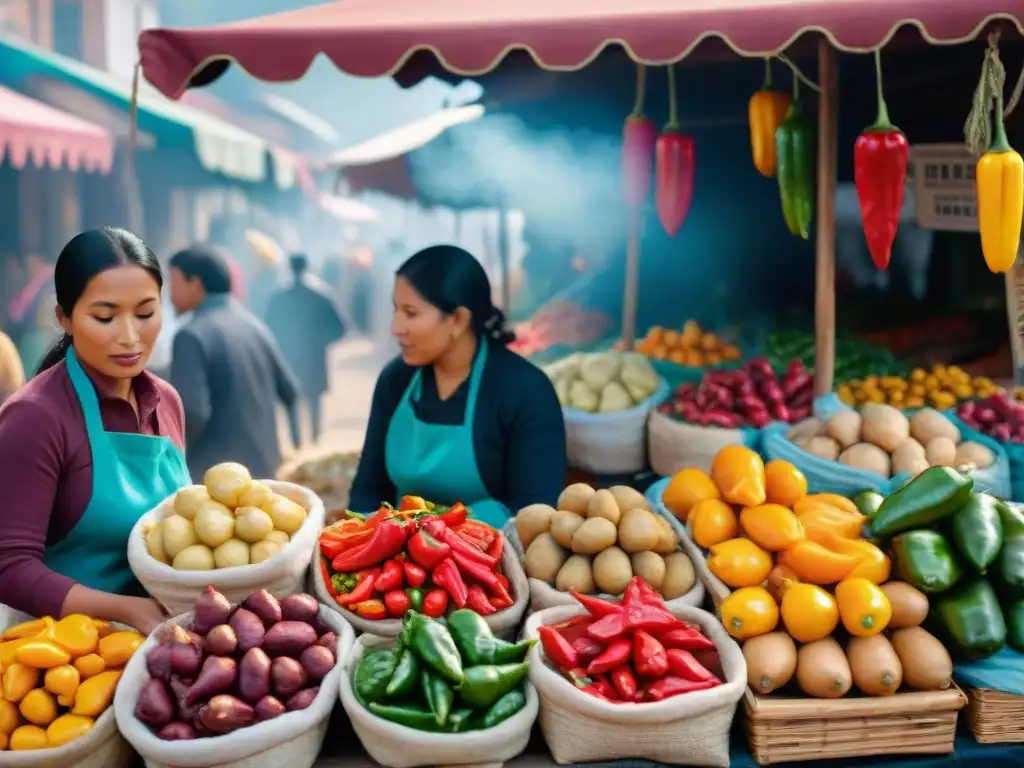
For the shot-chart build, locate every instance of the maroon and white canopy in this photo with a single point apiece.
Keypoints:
(371, 38)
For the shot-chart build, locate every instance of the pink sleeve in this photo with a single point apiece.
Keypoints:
(171, 414)
(31, 457)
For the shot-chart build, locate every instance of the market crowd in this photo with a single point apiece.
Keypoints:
(96, 438)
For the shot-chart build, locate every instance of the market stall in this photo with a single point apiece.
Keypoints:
(810, 634)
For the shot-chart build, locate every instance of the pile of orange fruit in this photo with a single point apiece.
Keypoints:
(692, 346)
(778, 547)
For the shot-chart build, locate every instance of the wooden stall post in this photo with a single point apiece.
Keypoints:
(630, 294)
(504, 259)
(825, 241)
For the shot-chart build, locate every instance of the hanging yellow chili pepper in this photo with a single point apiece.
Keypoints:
(766, 111)
(999, 175)
(1000, 179)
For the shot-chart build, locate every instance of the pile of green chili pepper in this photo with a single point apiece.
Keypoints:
(962, 548)
(446, 677)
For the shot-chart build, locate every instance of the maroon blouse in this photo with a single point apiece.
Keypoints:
(46, 473)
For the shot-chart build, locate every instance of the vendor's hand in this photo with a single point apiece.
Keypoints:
(144, 614)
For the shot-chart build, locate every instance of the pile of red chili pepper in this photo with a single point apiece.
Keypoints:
(419, 556)
(630, 651)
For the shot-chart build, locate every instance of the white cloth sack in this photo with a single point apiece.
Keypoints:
(610, 443)
(691, 729)
(396, 746)
(102, 747)
(543, 595)
(504, 623)
(281, 575)
(293, 739)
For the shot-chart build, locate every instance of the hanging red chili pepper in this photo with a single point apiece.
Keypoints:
(638, 135)
(673, 167)
(880, 158)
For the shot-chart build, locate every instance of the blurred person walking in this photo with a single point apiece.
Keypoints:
(228, 370)
(305, 321)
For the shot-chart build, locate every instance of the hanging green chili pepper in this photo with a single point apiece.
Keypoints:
(438, 694)
(485, 684)
(794, 149)
(406, 676)
(434, 645)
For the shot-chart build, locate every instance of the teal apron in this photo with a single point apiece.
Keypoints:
(131, 474)
(438, 461)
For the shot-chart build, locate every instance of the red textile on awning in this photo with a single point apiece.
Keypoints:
(31, 129)
(470, 37)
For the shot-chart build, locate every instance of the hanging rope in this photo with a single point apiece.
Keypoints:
(641, 89)
(767, 84)
(133, 119)
(989, 93)
(673, 108)
(797, 73)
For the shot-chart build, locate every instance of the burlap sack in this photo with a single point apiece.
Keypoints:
(674, 445)
(504, 623)
(543, 595)
(396, 746)
(691, 729)
(281, 575)
(102, 747)
(294, 739)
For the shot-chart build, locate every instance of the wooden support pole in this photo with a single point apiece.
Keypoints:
(632, 284)
(825, 241)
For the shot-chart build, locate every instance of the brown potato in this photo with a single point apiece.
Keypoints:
(564, 525)
(603, 504)
(596, 534)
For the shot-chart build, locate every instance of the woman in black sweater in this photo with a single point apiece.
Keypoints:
(458, 417)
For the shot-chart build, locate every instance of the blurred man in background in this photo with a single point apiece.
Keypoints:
(228, 370)
(306, 322)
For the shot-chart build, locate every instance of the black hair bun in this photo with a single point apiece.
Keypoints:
(496, 329)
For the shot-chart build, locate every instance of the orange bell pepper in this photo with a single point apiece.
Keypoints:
(813, 564)
(873, 564)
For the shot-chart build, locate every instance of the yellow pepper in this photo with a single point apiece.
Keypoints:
(809, 613)
(739, 563)
(1000, 182)
(814, 564)
(863, 607)
(873, 564)
(749, 612)
(766, 110)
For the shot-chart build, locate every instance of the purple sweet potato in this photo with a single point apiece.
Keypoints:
(221, 640)
(300, 607)
(158, 661)
(287, 677)
(211, 608)
(248, 628)
(264, 605)
(178, 731)
(321, 626)
(329, 640)
(302, 699)
(179, 687)
(254, 675)
(225, 714)
(155, 706)
(186, 656)
(289, 638)
(268, 708)
(317, 661)
(218, 674)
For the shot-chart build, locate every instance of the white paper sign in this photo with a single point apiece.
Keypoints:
(944, 181)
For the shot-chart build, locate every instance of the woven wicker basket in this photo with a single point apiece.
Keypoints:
(674, 445)
(995, 717)
(782, 729)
